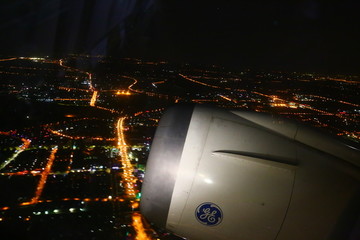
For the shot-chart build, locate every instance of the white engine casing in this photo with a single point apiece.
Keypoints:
(219, 174)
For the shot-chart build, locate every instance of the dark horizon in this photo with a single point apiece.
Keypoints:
(310, 35)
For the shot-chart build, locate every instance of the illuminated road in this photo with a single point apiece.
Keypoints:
(127, 176)
(272, 97)
(73, 89)
(198, 82)
(7, 59)
(139, 227)
(44, 176)
(79, 137)
(89, 80)
(295, 104)
(23, 147)
(72, 99)
(128, 182)
(150, 94)
(132, 85)
(123, 92)
(93, 99)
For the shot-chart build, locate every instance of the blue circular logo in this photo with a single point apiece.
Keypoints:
(209, 214)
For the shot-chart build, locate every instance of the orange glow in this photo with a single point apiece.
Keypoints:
(23, 147)
(71, 99)
(7, 59)
(26, 143)
(73, 89)
(135, 205)
(159, 82)
(44, 176)
(131, 85)
(25, 203)
(93, 99)
(123, 92)
(5, 208)
(128, 181)
(127, 176)
(35, 172)
(79, 137)
(139, 227)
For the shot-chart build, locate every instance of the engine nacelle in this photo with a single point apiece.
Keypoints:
(219, 174)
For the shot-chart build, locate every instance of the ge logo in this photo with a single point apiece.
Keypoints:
(209, 214)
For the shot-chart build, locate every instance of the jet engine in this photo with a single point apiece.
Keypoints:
(220, 174)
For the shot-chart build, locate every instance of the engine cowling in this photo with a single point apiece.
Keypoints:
(219, 174)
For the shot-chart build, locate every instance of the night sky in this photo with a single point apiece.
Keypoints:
(306, 35)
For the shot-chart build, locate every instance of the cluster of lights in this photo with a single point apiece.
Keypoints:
(150, 94)
(79, 137)
(73, 89)
(107, 109)
(228, 99)
(127, 176)
(44, 175)
(8, 59)
(71, 99)
(130, 180)
(109, 198)
(25, 172)
(131, 85)
(93, 98)
(89, 76)
(149, 111)
(198, 82)
(342, 80)
(23, 147)
(334, 100)
(123, 92)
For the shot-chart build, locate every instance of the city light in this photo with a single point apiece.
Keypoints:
(128, 169)
(23, 147)
(102, 122)
(44, 176)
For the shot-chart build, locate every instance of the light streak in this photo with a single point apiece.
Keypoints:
(123, 92)
(23, 147)
(79, 137)
(127, 167)
(44, 176)
(72, 99)
(335, 100)
(228, 99)
(343, 80)
(198, 82)
(130, 87)
(107, 109)
(319, 111)
(151, 94)
(73, 89)
(7, 59)
(93, 99)
(129, 180)
(139, 227)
